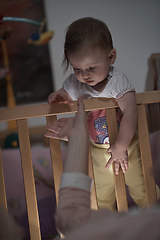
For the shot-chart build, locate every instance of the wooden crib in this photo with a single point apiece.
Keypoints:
(21, 114)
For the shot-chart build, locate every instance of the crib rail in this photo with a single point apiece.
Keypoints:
(90, 105)
(21, 114)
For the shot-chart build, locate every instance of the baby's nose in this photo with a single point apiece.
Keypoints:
(85, 74)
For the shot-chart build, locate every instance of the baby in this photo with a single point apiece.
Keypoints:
(88, 49)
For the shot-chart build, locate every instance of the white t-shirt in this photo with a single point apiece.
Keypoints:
(116, 87)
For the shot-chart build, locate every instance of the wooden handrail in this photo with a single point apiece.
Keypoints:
(55, 109)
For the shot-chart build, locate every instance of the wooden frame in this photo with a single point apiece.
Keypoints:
(21, 114)
(153, 112)
(154, 58)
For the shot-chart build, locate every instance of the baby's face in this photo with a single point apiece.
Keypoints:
(90, 67)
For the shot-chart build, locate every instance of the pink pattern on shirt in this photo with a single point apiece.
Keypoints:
(97, 126)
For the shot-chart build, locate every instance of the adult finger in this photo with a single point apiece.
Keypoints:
(55, 136)
(55, 126)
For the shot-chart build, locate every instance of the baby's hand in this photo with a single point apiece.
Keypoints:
(60, 96)
(119, 156)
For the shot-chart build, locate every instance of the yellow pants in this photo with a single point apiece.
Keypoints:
(104, 179)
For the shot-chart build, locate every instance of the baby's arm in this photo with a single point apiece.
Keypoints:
(60, 96)
(128, 125)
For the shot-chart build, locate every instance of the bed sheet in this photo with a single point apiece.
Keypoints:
(44, 188)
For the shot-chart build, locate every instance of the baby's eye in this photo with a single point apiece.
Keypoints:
(76, 69)
(92, 68)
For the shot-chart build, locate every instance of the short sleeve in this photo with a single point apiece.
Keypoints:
(69, 86)
(120, 86)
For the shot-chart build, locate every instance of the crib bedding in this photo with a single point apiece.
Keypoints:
(44, 188)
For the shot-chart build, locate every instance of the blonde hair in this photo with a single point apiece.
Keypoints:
(88, 32)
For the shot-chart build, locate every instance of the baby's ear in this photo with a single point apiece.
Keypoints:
(112, 56)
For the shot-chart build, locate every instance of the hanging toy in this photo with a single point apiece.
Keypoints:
(17, 19)
(36, 38)
(40, 39)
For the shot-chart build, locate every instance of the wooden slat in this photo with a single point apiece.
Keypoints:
(28, 176)
(55, 109)
(153, 114)
(120, 189)
(155, 56)
(3, 200)
(146, 155)
(94, 204)
(11, 102)
(56, 158)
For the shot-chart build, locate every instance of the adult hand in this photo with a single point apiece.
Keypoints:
(75, 130)
(60, 129)
(65, 127)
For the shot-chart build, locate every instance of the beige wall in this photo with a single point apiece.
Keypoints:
(135, 26)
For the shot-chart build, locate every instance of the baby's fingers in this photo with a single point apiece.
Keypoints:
(56, 98)
(110, 161)
(116, 166)
(51, 98)
(63, 99)
(124, 165)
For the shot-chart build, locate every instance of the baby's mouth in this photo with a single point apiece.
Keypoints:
(89, 81)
